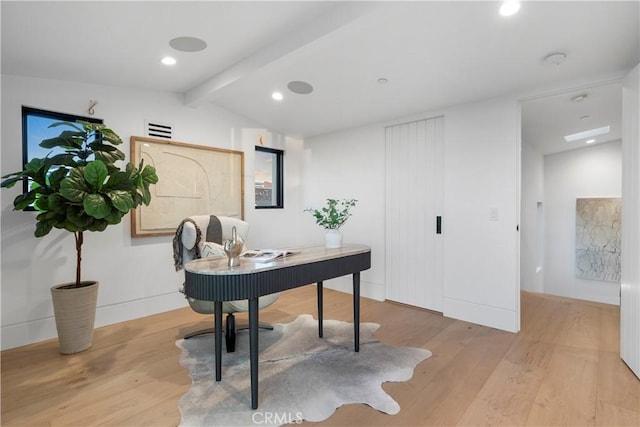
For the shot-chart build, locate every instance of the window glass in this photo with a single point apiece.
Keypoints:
(268, 178)
(35, 128)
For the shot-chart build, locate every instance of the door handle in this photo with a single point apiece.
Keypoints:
(438, 225)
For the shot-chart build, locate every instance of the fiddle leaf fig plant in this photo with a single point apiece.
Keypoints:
(82, 188)
(334, 214)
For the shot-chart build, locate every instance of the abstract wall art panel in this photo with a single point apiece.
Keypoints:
(192, 180)
(598, 236)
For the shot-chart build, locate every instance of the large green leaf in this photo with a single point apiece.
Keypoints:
(96, 205)
(74, 187)
(73, 125)
(101, 133)
(57, 176)
(121, 200)
(64, 159)
(66, 139)
(58, 204)
(119, 181)
(109, 135)
(76, 216)
(34, 164)
(99, 146)
(36, 169)
(114, 217)
(24, 200)
(46, 216)
(146, 195)
(109, 157)
(43, 228)
(40, 204)
(137, 198)
(98, 225)
(149, 175)
(10, 182)
(40, 176)
(95, 173)
(65, 224)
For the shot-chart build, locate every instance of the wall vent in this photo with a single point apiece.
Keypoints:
(159, 130)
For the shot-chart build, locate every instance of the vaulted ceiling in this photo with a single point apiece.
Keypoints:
(432, 55)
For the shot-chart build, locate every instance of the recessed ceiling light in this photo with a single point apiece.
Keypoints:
(277, 96)
(509, 8)
(167, 60)
(590, 141)
(587, 134)
(188, 44)
(383, 81)
(301, 88)
(555, 58)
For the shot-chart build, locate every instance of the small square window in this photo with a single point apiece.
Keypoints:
(35, 128)
(268, 178)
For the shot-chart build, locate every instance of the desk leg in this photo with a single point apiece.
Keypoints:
(217, 327)
(356, 310)
(253, 350)
(319, 286)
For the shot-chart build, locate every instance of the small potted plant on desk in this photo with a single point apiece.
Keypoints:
(80, 189)
(331, 217)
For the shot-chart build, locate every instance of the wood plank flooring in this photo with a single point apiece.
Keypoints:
(563, 368)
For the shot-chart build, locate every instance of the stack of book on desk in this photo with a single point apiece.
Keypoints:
(266, 255)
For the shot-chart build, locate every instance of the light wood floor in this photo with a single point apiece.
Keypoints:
(563, 368)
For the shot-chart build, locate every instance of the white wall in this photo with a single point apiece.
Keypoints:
(532, 192)
(481, 172)
(342, 165)
(274, 228)
(586, 172)
(136, 274)
(482, 167)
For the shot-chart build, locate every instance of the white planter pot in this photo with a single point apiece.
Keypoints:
(333, 239)
(75, 313)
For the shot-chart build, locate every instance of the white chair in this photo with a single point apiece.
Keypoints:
(192, 241)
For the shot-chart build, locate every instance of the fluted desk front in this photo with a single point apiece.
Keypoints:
(211, 279)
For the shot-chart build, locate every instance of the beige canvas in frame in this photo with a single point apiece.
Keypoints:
(192, 180)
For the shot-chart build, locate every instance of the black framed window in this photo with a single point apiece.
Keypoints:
(35, 128)
(269, 178)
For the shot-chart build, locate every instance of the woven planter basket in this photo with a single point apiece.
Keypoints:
(75, 313)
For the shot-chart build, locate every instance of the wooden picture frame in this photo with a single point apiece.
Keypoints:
(192, 180)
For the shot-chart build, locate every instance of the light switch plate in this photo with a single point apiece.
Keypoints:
(493, 214)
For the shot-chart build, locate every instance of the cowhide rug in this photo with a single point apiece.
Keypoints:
(301, 376)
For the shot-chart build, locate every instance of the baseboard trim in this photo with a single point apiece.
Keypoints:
(485, 315)
(367, 289)
(34, 331)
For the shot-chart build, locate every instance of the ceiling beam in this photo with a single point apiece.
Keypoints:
(338, 16)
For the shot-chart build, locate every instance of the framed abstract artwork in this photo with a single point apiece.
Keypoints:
(598, 239)
(192, 180)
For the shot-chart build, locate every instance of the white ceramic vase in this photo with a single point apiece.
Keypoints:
(333, 239)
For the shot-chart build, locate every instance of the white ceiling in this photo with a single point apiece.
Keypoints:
(434, 55)
(546, 121)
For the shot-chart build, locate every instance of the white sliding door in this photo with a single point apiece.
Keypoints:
(630, 284)
(414, 201)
